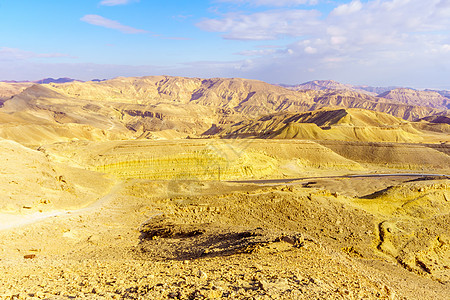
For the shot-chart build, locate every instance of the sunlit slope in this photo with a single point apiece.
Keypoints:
(412, 225)
(130, 108)
(327, 124)
(413, 97)
(8, 90)
(40, 115)
(393, 155)
(238, 159)
(30, 182)
(250, 97)
(33, 131)
(201, 159)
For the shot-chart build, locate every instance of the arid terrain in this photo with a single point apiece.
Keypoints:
(188, 188)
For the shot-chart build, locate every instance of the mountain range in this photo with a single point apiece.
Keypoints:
(313, 85)
(143, 106)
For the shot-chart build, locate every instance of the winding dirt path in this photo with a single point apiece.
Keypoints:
(10, 221)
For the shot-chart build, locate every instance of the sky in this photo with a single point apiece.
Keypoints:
(372, 42)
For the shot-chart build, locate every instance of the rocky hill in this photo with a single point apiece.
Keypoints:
(428, 97)
(413, 97)
(232, 95)
(320, 85)
(444, 93)
(325, 124)
(10, 89)
(55, 80)
(171, 106)
(375, 90)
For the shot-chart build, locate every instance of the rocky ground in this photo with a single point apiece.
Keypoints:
(207, 240)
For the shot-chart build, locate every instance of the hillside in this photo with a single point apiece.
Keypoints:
(31, 183)
(233, 95)
(320, 85)
(374, 90)
(445, 93)
(170, 106)
(325, 124)
(8, 90)
(413, 97)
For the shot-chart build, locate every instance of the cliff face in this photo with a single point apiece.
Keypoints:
(198, 159)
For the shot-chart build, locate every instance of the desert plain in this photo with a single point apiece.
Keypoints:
(186, 188)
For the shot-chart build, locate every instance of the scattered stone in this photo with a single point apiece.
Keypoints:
(213, 294)
(202, 275)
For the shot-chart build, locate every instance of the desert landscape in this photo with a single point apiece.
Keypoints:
(165, 187)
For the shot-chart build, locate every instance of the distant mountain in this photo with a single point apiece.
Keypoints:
(431, 98)
(13, 81)
(444, 93)
(43, 81)
(135, 106)
(230, 98)
(373, 89)
(236, 96)
(319, 85)
(413, 97)
(53, 80)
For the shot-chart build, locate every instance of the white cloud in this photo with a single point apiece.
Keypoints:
(394, 42)
(310, 50)
(376, 21)
(107, 23)
(266, 25)
(116, 2)
(338, 40)
(14, 54)
(384, 39)
(266, 51)
(446, 48)
(275, 3)
(258, 52)
(346, 9)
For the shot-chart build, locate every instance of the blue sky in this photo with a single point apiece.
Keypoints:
(375, 42)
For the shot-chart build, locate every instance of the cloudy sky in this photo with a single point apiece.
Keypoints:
(375, 42)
